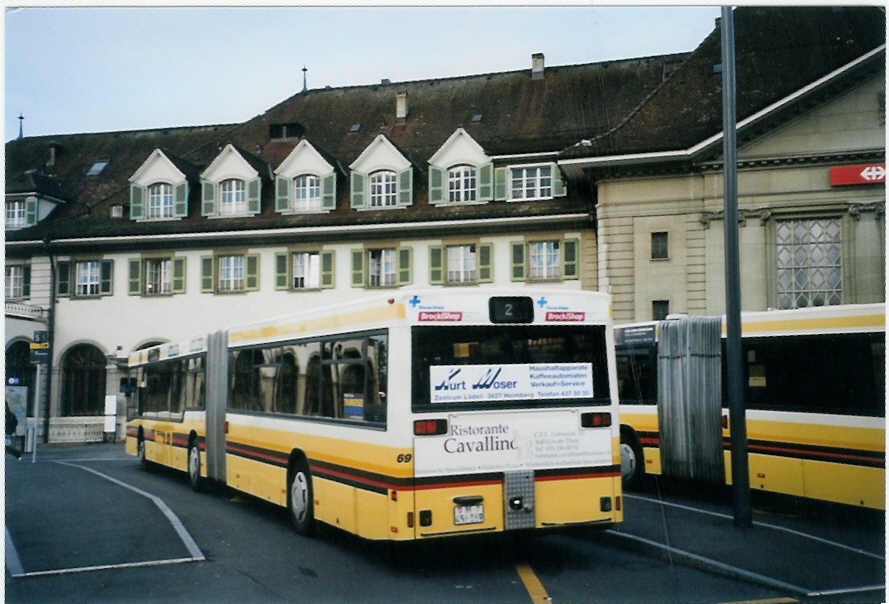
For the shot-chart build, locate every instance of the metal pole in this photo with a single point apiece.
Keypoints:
(37, 380)
(735, 375)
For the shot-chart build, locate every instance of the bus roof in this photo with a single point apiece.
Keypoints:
(427, 307)
(163, 352)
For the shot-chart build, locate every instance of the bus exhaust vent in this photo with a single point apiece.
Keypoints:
(518, 500)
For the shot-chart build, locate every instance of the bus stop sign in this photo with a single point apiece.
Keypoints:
(40, 348)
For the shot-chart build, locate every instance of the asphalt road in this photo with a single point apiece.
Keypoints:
(89, 524)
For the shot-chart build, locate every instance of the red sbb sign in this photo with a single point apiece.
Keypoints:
(861, 174)
(440, 315)
(565, 316)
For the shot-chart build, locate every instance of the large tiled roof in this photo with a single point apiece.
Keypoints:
(778, 50)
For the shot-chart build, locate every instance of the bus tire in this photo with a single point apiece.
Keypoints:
(631, 460)
(300, 502)
(194, 467)
(140, 451)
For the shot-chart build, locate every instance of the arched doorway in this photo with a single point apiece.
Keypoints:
(83, 381)
(20, 371)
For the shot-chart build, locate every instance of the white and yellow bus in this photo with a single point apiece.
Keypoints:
(414, 416)
(814, 390)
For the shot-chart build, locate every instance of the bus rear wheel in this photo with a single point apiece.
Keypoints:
(300, 503)
(631, 461)
(140, 450)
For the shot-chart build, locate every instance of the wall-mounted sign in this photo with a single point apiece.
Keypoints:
(861, 174)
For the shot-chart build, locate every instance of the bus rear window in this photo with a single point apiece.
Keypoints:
(508, 366)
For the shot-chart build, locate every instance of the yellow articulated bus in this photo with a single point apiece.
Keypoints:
(814, 391)
(415, 416)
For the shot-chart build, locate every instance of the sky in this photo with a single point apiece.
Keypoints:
(87, 69)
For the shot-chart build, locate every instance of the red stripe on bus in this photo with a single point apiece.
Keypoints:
(321, 471)
(249, 453)
(809, 453)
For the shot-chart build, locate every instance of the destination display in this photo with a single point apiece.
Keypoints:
(499, 382)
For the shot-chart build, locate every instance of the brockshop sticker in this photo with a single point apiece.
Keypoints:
(440, 315)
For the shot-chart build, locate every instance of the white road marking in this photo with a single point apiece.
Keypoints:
(13, 563)
(715, 564)
(762, 524)
(86, 569)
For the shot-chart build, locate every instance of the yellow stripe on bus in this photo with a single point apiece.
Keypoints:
(393, 311)
(847, 322)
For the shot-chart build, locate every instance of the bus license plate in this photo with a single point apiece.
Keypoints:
(469, 514)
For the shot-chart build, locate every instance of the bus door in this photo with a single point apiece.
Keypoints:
(690, 398)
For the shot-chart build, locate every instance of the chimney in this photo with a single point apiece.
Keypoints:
(53, 148)
(401, 105)
(537, 66)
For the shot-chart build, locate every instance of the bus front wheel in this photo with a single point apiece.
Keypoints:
(299, 499)
(631, 460)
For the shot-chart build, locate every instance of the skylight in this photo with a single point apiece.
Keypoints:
(355, 128)
(97, 167)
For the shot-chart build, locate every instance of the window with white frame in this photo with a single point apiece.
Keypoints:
(381, 268)
(531, 182)
(306, 270)
(232, 199)
(231, 274)
(158, 276)
(88, 277)
(383, 189)
(15, 213)
(461, 264)
(307, 193)
(809, 262)
(160, 200)
(544, 260)
(17, 281)
(462, 183)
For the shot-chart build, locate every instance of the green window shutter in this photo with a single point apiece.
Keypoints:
(180, 200)
(485, 268)
(282, 194)
(26, 281)
(406, 187)
(358, 197)
(485, 184)
(282, 270)
(518, 260)
(436, 187)
(207, 274)
(135, 281)
(558, 182)
(31, 211)
(179, 275)
(137, 201)
(436, 265)
(328, 192)
(251, 272)
(254, 195)
(105, 274)
(500, 184)
(208, 198)
(404, 265)
(570, 260)
(357, 268)
(328, 267)
(63, 278)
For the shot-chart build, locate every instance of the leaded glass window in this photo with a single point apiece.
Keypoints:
(809, 263)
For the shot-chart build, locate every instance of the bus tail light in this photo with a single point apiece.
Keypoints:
(595, 420)
(430, 427)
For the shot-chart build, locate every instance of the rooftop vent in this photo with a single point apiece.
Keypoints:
(284, 131)
(537, 66)
(385, 81)
(401, 105)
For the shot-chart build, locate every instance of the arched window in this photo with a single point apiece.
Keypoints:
(160, 200)
(306, 192)
(461, 183)
(383, 189)
(232, 199)
(19, 370)
(83, 381)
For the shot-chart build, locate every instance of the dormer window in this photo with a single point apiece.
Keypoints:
(462, 183)
(232, 200)
(306, 193)
(528, 182)
(305, 182)
(160, 200)
(383, 189)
